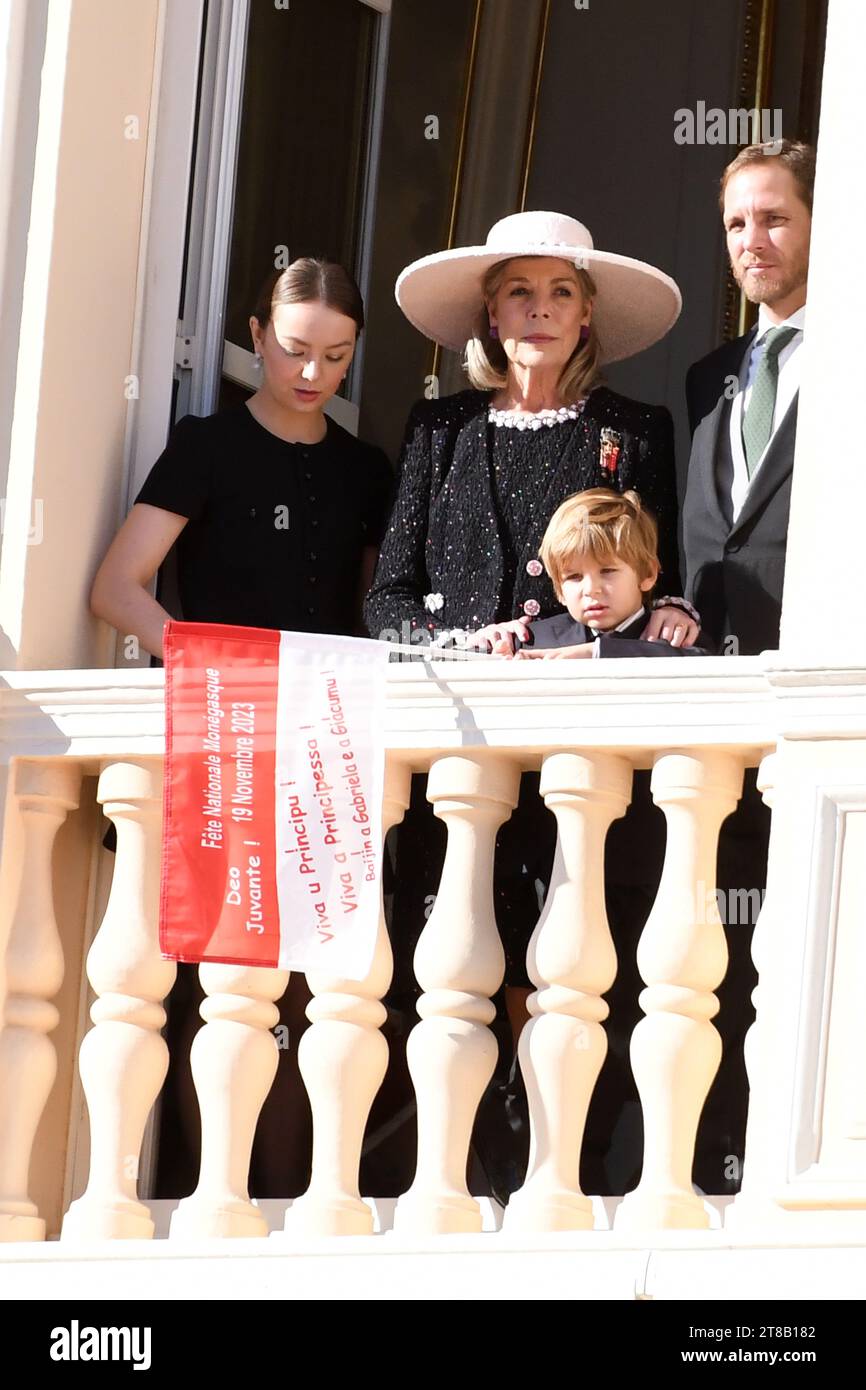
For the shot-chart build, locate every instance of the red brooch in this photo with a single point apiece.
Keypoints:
(611, 443)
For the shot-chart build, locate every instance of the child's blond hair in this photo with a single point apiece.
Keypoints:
(600, 522)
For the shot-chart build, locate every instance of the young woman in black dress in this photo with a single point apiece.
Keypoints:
(537, 311)
(277, 513)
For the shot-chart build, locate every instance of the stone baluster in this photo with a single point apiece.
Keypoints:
(459, 964)
(572, 962)
(234, 1061)
(682, 956)
(124, 1058)
(41, 794)
(750, 1206)
(343, 1058)
(760, 935)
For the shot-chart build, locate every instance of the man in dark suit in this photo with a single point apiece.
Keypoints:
(742, 402)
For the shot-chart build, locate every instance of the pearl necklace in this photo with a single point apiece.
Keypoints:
(533, 420)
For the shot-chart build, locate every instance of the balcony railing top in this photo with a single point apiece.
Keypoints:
(634, 706)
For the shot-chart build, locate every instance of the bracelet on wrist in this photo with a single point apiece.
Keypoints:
(682, 603)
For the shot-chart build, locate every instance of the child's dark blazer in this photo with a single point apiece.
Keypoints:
(563, 631)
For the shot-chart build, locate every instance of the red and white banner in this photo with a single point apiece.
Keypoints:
(272, 832)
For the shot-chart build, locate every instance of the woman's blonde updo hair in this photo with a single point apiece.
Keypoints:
(487, 365)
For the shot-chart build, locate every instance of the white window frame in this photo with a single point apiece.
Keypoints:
(164, 214)
(210, 354)
(192, 349)
(213, 197)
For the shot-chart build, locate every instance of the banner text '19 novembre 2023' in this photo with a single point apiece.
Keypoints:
(272, 834)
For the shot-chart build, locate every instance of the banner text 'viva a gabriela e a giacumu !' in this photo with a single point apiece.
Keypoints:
(273, 798)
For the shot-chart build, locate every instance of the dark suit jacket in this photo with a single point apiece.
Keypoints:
(734, 570)
(564, 631)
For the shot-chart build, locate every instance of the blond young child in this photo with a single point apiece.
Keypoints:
(601, 552)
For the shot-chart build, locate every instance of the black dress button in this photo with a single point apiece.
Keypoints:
(311, 579)
(308, 477)
(311, 611)
(312, 499)
(314, 522)
(313, 556)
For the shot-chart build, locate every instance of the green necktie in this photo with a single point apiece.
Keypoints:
(758, 417)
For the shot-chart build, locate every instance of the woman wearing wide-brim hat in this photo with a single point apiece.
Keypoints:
(537, 310)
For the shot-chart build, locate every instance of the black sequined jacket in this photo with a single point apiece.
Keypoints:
(444, 537)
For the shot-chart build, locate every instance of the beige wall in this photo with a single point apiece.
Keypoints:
(69, 425)
(66, 463)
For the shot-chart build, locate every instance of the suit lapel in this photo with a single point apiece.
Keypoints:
(707, 434)
(636, 628)
(775, 468)
(571, 633)
(706, 445)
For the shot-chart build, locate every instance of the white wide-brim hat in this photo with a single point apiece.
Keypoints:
(634, 307)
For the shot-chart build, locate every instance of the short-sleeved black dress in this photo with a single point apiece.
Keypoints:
(274, 539)
(276, 530)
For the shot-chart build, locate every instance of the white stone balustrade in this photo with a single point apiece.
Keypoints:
(572, 962)
(343, 1058)
(234, 1061)
(40, 796)
(476, 726)
(682, 955)
(459, 963)
(761, 935)
(761, 1081)
(124, 1058)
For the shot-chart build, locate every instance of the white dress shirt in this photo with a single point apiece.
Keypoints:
(790, 367)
